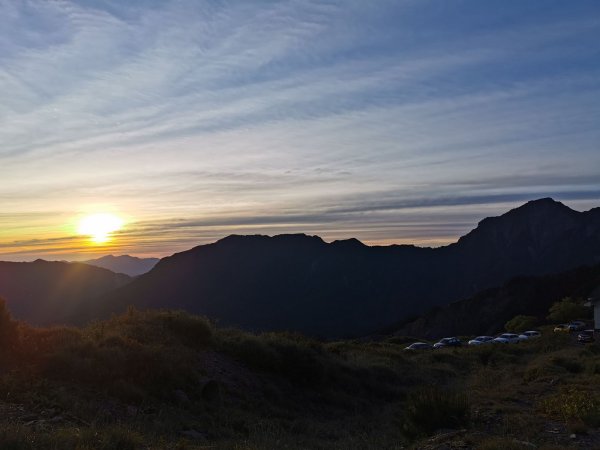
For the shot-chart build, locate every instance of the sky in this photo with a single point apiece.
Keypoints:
(404, 121)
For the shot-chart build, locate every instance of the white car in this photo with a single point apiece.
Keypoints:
(481, 340)
(507, 338)
(419, 346)
(529, 335)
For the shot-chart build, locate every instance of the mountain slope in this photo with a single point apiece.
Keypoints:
(301, 283)
(129, 265)
(43, 292)
(488, 311)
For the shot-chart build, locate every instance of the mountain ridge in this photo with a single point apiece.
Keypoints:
(129, 265)
(47, 292)
(486, 312)
(346, 288)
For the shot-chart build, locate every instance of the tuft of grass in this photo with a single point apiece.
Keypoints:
(430, 409)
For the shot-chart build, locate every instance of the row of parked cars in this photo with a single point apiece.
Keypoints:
(576, 325)
(504, 338)
(584, 336)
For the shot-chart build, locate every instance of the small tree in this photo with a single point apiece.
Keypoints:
(566, 310)
(521, 323)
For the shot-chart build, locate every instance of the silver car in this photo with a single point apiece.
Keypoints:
(507, 338)
(481, 340)
(529, 335)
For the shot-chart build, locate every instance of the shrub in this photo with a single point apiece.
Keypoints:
(193, 331)
(566, 310)
(521, 323)
(294, 357)
(253, 351)
(574, 405)
(158, 327)
(429, 409)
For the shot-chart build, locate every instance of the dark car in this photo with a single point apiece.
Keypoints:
(448, 342)
(586, 336)
(419, 346)
(576, 325)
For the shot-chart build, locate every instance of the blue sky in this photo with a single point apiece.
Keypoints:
(393, 122)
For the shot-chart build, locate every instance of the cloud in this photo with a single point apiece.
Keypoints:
(293, 114)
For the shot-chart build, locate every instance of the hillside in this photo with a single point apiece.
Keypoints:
(43, 292)
(345, 288)
(488, 311)
(129, 265)
(169, 380)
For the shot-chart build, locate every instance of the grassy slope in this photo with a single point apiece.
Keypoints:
(170, 380)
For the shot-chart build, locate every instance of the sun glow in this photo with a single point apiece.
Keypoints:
(99, 226)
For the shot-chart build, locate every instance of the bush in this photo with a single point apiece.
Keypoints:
(521, 323)
(429, 409)
(574, 405)
(293, 357)
(158, 327)
(566, 310)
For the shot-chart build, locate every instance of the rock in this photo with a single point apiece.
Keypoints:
(573, 436)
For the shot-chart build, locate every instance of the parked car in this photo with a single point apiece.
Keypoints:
(480, 340)
(507, 338)
(529, 335)
(448, 342)
(586, 336)
(576, 325)
(419, 346)
(562, 328)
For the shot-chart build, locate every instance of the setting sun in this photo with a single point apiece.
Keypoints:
(99, 226)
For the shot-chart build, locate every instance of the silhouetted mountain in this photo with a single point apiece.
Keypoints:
(43, 292)
(299, 282)
(129, 265)
(487, 312)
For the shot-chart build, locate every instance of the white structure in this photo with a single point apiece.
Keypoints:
(594, 302)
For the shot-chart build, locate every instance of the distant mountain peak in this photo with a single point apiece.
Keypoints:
(546, 203)
(129, 265)
(349, 243)
(291, 237)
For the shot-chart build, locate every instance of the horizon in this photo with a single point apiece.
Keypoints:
(95, 256)
(184, 122)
